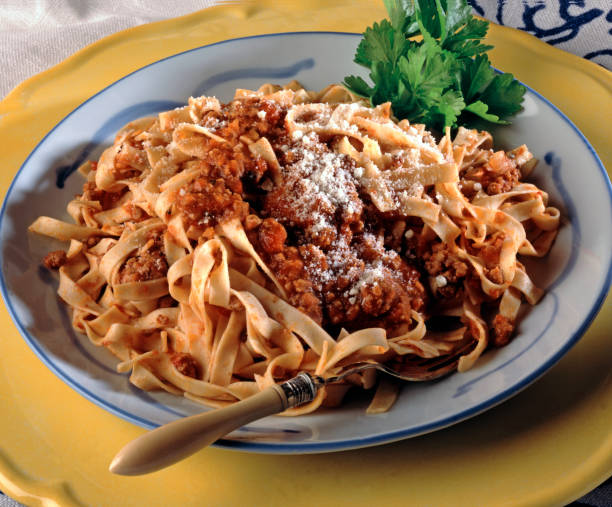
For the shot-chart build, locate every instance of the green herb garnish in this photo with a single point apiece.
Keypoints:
(446, 78)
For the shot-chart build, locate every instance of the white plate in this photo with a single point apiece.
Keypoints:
(576, 274)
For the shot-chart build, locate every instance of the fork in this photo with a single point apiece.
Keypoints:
(179, 439)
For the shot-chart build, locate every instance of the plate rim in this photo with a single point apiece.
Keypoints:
(307, 446)
(595, 463)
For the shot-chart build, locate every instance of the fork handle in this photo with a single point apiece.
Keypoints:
(179, 439)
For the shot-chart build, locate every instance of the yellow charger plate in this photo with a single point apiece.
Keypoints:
(547, 446)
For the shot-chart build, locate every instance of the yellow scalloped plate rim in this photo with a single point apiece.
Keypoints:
(548, 445)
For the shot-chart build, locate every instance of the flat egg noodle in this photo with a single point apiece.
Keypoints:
(217, 327)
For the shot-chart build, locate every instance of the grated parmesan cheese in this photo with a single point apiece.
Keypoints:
(325, 183)
(441, 281)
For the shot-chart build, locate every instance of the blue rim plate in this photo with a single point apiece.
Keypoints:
(576, 274)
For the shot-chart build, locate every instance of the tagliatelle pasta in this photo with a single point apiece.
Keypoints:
(220, 248)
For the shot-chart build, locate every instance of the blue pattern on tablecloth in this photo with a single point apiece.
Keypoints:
(578, 26)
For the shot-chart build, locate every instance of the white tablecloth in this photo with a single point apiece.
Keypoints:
(37, 34)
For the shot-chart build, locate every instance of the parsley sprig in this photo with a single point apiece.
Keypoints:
(443, 79)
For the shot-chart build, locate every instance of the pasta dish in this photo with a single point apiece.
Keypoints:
(217, 249)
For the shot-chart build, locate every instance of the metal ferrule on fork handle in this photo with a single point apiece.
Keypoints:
(301, 389)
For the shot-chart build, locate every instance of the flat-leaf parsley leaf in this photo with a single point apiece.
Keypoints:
(444, 79)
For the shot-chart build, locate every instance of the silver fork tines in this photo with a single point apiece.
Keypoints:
(304, 387)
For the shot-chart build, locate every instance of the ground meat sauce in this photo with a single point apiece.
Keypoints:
(502, 330)
(107, 200)
(317, 194)
(490, 254)
(55, 260)
(447, 270)
(309, 223)
(186, 364)
(269, 237)
(149, 263)
(361, 283)
(205, 202)
(499, 174)
(340, 260)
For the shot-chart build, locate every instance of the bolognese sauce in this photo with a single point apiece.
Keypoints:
(291, 230)
(340, 260)
(307, 221)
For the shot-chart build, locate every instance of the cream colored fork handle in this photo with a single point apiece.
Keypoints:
(175, 441)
